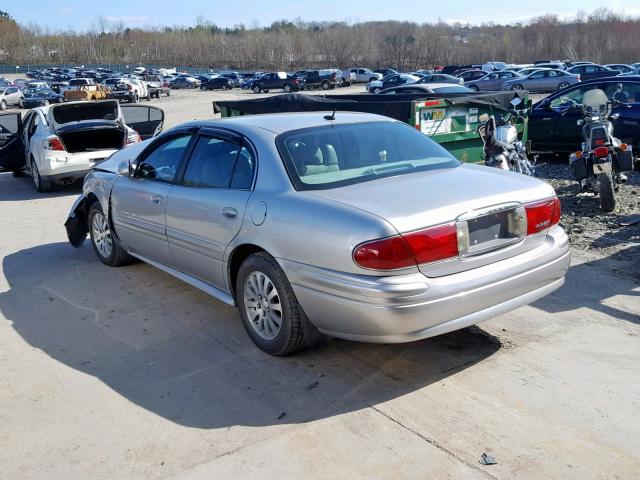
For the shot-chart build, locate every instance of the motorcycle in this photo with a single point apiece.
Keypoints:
(600, 164)
(501, 146)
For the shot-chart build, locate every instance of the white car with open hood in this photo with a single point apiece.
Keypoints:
(61, 143)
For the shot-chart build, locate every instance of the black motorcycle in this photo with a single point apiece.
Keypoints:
(501, 146)
(600, 164)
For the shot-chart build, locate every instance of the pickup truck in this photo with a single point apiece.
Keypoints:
(130, 89)
(76, 83)
(324, 79)
(276, 81)
(87, 92)
(364, 75)
(156, 85)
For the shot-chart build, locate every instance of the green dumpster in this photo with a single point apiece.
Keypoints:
(449, 119)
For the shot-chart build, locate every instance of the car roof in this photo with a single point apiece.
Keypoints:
(284, 122)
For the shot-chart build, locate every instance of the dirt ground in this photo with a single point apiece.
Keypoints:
(129, 373)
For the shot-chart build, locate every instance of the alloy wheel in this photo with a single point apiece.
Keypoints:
(262, 305)
(101, 235)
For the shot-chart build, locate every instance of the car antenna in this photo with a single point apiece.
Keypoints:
(330, 117)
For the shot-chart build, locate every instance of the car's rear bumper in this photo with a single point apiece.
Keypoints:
(411, 307)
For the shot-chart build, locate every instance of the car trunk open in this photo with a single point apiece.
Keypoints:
(92, 136)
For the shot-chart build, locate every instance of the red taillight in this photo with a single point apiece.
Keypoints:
(54, 143)
(407, 250)
(442, 241)
(129, 87)
(433, 243)
(601, 152)
(386, 254)
(542, 215)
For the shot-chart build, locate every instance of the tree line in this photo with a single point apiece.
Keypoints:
(602, 36)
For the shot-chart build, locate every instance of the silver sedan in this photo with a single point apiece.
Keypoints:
(326, 224)
(546, 80)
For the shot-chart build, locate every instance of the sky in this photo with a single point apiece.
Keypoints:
(82, 14)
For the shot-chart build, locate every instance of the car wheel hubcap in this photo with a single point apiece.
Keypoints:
(101, 235)
(262, 305)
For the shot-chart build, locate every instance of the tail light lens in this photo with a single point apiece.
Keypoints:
(542, 215)
(601, 152)
(54, 144)
(132, 137)
(129, 87)
(446, 241)
(386, 254)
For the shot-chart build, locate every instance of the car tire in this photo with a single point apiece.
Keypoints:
(325, 85)
(376, 90)
(261, 276)
(3, 105)
(256, 89)
(517, 87)
(42, 186)
(21, 103)
(563, 85)
(474, 88)
(104, 244)
(287, 88)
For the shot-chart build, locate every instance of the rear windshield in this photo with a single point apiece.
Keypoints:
(85, 111)
(337, 155)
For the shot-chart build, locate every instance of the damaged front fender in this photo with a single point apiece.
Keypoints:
(76, 224)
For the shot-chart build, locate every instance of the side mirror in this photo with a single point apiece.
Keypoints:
(545, 103)
(132, 168)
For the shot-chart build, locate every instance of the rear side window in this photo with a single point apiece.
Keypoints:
(216, 163)
(337, 155)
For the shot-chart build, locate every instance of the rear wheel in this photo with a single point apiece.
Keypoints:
(41, 185)
(474, 88)
(21, 103)
(325, 85)
(104, 244)
(563, 85)
(269, 309)
(516, 87)
(607, 193)
(287, 88)
(376, 90)
(3, 105)
(256, 89)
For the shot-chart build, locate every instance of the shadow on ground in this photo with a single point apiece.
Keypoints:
(13, 189)
(599, 285)
(184, 356)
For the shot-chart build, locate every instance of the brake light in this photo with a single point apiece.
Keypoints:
(408, 250)
(55, 144)
(601, 152)
(599, 141)
(444, 241)
(386, 254)
(132, 137)
(129, 87)
(542, 215)
(433, 243)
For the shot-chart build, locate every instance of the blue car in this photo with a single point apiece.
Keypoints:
(553, 121)
(40, 97)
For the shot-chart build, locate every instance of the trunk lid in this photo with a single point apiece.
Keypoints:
(415, 201)
(76, 112)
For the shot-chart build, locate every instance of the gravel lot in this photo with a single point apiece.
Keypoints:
(128, 373)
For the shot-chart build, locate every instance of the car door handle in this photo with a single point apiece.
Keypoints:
(156, 200)
(230, 213)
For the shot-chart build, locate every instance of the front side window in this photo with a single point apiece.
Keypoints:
(162, 163)
(337, 155)
(217, 163)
